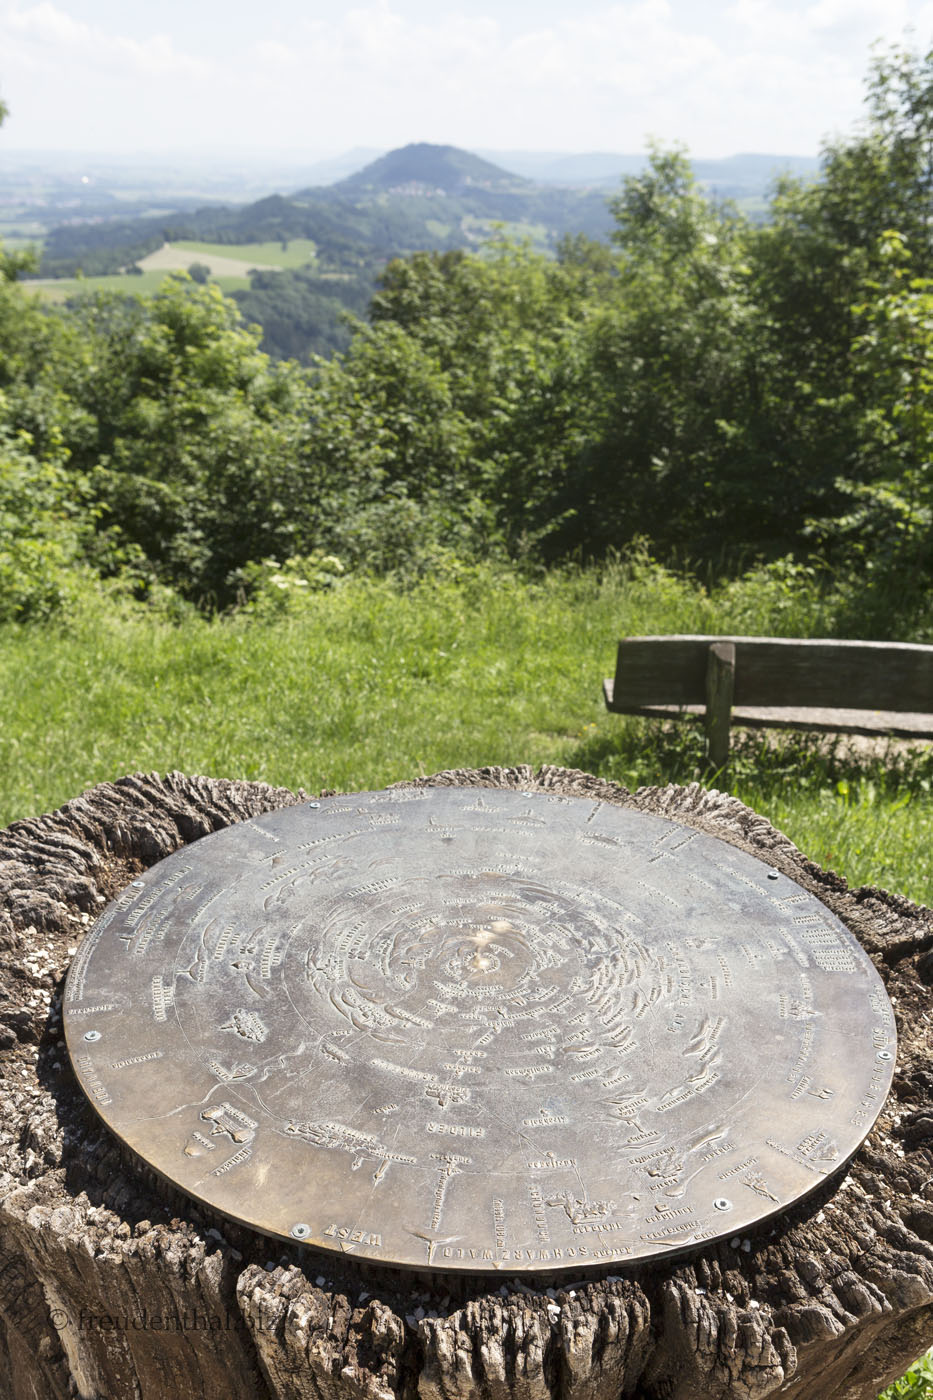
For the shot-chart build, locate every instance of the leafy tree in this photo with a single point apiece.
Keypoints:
(677, 447)
(888, 524)
(45, 521)
(13, 265)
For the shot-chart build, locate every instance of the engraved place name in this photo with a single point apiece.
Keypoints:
(405, 1071)
(353, 1235)
(464, 1130)
(688, 1228)
(330, 837)
(264, 835)
(137, 1059)
(737, 1170)
(199, 1144)
(870, 1102)
(450, 1165)
(77, 973)
(152, 931)
(806, 1049)
(881, 1008)
(703, 1081)
(236, 1160)
(529, 1256)
(100, 1007)
(498, 1220)
(280, 877)
(162, 992)
(374, 887)
(797, 1157)
(92, 1079)
(539, 1211)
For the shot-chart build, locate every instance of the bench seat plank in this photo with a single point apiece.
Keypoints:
(899, 723)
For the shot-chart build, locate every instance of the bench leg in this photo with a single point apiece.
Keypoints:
(720, 682)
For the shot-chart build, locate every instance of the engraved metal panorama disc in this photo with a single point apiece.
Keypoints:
(473, 1029)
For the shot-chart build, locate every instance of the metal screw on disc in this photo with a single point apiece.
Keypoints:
(300, 1231)
(138, 883)
(885, 1055)
(772, 875)
(721, 1203)
(92, 1035)
(314, 804)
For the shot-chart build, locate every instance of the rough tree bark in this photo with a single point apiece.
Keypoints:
(112, 1286)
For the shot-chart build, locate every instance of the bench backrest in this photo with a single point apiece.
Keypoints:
(779, 671)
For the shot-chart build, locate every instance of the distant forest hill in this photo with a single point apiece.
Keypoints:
(418, 197)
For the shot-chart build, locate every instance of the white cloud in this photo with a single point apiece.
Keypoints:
(55, 36)
(729, 75)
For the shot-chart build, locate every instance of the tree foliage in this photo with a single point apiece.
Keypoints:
(725, 389)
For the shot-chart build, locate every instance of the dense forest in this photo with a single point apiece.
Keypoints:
(727, 391)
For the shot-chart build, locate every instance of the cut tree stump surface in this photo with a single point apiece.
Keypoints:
(114, 1286)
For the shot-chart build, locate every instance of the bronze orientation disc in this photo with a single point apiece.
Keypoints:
(472, 1029)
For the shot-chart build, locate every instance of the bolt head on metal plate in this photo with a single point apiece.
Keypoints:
(480, 1029)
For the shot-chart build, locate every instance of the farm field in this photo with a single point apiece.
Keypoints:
(370, 683)
(177, 257)
(230, 265)
(58, 289)
(298, 252)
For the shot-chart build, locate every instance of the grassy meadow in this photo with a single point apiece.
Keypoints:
(368, 682)
(59, 289)
(230, 264)
(296, 252)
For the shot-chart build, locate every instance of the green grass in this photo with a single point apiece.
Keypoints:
(369, 683)
(143, 283)
(917, 1384)
(232, 284)
(299, 253)
(517, 230)
(64, 287)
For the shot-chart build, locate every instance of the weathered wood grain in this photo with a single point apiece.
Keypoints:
(720, 686)
(842, 721)
(777, 672)
(113, 1286)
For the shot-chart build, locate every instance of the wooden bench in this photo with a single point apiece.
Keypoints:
(776, 683)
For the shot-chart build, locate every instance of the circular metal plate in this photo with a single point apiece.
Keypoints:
(475, 1029)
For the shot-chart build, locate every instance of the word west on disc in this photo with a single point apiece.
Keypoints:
(471, 1029)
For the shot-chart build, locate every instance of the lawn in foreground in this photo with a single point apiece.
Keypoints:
(368, 684)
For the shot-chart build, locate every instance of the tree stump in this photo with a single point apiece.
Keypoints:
(112, 1285)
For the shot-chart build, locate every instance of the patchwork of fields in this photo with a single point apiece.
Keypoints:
(230, 266)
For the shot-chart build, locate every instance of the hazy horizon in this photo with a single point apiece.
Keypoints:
(194, 156)
(300, 81)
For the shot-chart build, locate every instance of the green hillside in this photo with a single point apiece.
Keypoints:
(420, 197)
(444, 168)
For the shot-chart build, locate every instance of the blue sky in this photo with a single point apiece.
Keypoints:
(302, 77)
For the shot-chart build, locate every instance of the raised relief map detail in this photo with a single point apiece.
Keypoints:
(475, 1029)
